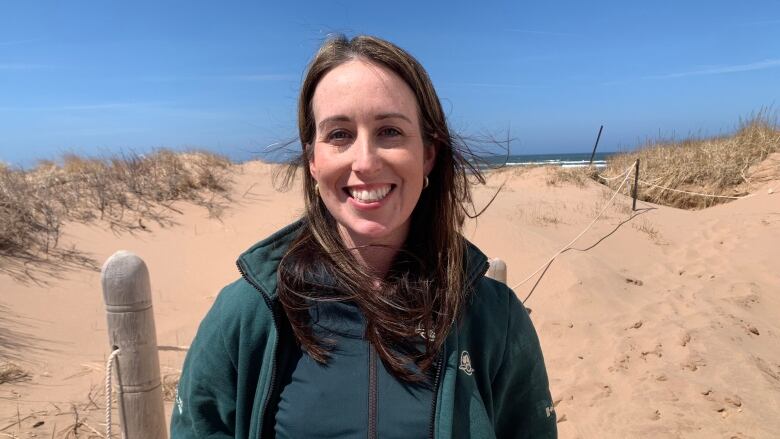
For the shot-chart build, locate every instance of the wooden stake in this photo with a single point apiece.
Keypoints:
(128, 298)
(636, 184)
(593, 154)
(497, 270)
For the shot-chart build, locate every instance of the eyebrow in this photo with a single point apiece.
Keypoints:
(381, 116)
(392, 116)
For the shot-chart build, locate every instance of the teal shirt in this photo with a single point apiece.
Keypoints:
(353, 393)
(493, 381)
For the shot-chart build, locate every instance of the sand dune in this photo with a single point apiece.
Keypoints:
(657, 323)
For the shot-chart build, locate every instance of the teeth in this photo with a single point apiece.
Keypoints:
(369, 196)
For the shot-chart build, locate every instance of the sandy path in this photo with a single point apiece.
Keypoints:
(662, 326)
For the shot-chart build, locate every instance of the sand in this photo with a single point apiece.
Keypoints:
(658, 323)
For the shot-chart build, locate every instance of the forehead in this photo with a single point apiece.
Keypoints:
(360, 88)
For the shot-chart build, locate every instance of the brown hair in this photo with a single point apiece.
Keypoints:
(424, 289)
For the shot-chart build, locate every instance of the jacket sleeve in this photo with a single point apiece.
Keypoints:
(523, 406)
(205, 404)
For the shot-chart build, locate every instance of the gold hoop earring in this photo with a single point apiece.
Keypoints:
(425, 182)
(317, 188)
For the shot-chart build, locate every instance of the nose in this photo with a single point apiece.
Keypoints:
(366, 159)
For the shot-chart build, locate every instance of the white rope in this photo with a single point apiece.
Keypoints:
(610, 178)
(675, 190)
(625, 176)
(109, 368)
(692, 193)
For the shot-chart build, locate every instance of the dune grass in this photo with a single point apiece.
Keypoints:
(12, 373)
(169, 384)
(718, 165)
(121, 190)
(558, 176)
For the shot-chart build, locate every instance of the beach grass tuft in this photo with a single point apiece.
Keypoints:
(719, 165)
(121, 190)
(12, 373)
(169, 384)
(559, 176)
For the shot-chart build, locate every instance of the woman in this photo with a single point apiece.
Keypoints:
(370, 316)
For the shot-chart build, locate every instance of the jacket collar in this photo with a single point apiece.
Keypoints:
(259, 263)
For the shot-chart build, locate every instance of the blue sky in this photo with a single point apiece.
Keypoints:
(96, 77)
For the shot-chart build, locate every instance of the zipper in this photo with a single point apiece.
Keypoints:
(436, 381)
(372, 378)
(270, 304)
(440, 364)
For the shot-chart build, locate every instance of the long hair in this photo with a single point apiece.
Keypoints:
(423, 292)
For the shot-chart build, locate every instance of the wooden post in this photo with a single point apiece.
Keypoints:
(497, 270)
(636, 184)
(128, 299)
(595, 146)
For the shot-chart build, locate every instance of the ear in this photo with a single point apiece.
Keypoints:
(312, 164)
(429, 158)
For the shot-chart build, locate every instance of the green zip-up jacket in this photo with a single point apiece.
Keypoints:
(492, 382)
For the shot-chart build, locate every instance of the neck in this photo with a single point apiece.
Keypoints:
(376, 256)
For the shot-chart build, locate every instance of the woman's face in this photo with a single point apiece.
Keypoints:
(369, 160)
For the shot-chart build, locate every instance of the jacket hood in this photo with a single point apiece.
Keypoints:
(259, 263)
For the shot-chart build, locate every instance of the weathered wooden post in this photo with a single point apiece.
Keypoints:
(497, 270)
(636, 184)
(128, 297)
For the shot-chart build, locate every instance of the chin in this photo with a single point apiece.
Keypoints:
(369, 230)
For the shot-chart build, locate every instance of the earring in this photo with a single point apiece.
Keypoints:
(317, 188)
(425, 182)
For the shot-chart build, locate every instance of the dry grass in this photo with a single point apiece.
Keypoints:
(80, 420)
(647, 228)
(716, 166)
(11, 373)
(545, 217)
(558, 176)
(169, 384)
(120, 190)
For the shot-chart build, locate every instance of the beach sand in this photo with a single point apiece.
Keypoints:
(658, 323)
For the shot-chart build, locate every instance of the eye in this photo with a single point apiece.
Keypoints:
(338, 135)
(389, 132)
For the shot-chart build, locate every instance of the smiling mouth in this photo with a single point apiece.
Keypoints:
(372, 195)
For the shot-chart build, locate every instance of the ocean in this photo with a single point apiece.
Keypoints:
(564, 160)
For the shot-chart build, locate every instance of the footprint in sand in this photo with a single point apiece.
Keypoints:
(693, 363)
(731, 402)
(657, 352)
(745, 294)
(748, 327)
(734, 400)
(620, 363)
(636, 325)
(772, 375)
(636, 282)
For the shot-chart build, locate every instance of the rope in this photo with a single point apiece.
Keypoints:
(692, 193)
(609, 178)
(679, 190)
(109, 368)
(626, 174)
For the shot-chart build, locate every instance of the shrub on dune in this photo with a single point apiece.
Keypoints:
(121, 190)
(715, 166)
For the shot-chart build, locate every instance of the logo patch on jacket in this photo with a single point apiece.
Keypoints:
(465, 363)
(429, 335)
